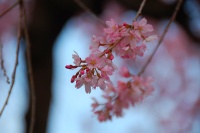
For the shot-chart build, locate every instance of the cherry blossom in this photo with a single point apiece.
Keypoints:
(112, 27)
(77, 59)
(125, 41)
(88, 80)
(142, 26)
(124, 72)
(93, 61)
(123, 96)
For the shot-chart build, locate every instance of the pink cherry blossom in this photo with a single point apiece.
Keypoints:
(139, 50)
(88, 80)
(114, 31)
(77, 59)
(151, 38)
(122, 97)
(81, 81)
(124, 72)
(101, 83)
(142, 26)
(126, 41)
(93, 61)
(112, 27)
(142, 87)
(97, 42)
(126, 52)
(103, 115)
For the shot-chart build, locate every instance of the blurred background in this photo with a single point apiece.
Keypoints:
(58, 28)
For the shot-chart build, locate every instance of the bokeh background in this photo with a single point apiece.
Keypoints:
(58, 28)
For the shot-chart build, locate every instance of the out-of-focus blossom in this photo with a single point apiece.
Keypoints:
(123, 96)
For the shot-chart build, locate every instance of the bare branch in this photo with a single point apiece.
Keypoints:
(140, 10)
(9, 9)
(162, 37)
(85, 8)
(29, 64)
(2, 64)
(15, 66)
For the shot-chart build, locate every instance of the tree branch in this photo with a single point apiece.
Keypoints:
(140, 10)
(162, 37)
(15, 66)
(9, 9)
(2, 64)
(30, 69)
(85, 8)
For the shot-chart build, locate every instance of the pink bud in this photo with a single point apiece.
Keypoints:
(111, 57)
(124, 72)
(124, 24)
(68, 66)
(73, 79)
(106, 51)
(87, 69)
(82, 72)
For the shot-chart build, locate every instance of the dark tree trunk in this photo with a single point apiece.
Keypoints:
(46, 23)
(47, 20)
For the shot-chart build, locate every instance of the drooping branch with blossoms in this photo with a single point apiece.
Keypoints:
(127, 41)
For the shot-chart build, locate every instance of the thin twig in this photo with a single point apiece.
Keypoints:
(85, 8)
(30, 70)
(10, 8)
(2, 64)
(162, 37)
(140, 10)
(15, 66)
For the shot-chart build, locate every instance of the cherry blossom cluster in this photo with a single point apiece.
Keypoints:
(94, 70)
(126, 41)
(122, 96)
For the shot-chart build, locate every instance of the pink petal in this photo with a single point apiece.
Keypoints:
(142, 22)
